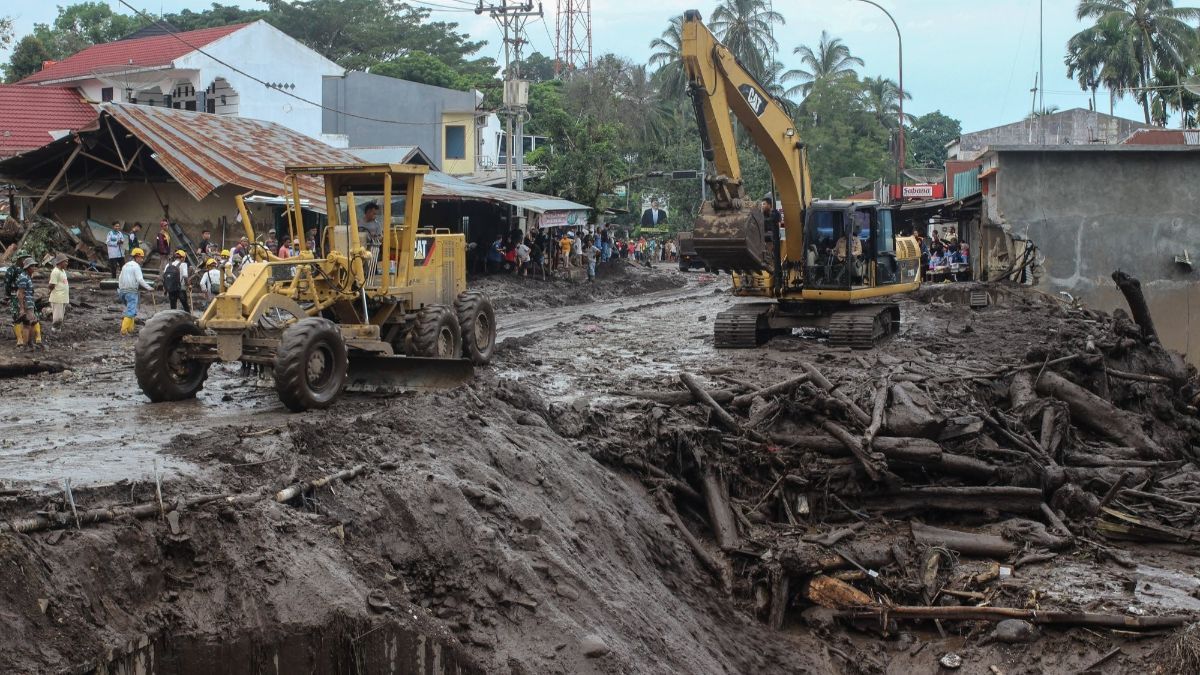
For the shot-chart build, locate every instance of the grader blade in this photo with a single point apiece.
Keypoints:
(395, 374)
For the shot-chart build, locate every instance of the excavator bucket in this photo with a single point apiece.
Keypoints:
(395, 374)
(734, 241)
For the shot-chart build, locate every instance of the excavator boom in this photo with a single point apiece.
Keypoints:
(730, 232)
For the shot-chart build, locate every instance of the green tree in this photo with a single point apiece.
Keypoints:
(582, 162)
(215, 16)
(1159, 33)
(667, 60)
(831, 60)
(82, 25)
(928, 136)
(747, 28)
(358, 34)
(26, 59)
(843, 137)
(1102, 55)
(881, 96)
(537, 67)
(420, 67)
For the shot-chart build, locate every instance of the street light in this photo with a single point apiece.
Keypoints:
(900, 48)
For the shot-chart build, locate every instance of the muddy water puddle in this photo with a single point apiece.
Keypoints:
(95, 430)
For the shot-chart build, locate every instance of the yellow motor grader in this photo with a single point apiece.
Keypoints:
(381, 306)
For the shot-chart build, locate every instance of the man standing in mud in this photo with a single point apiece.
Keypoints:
(129, 286)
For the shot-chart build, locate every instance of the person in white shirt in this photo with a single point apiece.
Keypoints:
(176, 282)
(129, 286)
(210, 283)
(523, 257)
(59, 291)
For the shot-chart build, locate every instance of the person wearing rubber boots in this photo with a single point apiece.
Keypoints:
(24, 306)
(129, 286)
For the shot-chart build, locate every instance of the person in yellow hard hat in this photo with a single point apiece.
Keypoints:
(210, 281)
(176, 282)
(129, 286)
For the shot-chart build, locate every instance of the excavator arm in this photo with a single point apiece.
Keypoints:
(730, 233)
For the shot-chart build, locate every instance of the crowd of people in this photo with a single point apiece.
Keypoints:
(543, 250)
(128, 255)
(944, 253)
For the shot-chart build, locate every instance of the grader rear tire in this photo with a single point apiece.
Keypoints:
(435, 334)
(477, 321)
(311, 364)
(161, 371)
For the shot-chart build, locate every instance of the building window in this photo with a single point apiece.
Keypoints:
(210, 105)
(456, 142)
(106, 94)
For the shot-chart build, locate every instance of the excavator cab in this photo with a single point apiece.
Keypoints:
(853, 246)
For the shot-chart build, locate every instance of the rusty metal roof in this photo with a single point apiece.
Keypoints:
(204, 151)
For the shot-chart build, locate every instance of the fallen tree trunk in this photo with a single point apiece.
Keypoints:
(676, 397)
(728, 421)
(821, 381)
(970, 499)
(16, 366)
(290, 493)
(921, 451)
(806, 559)
(872, 462)
(720, 569)
(103, 515)
(1131, 288)
(766, 392)
(966, 543)
(1031, 615)
(1097, 414)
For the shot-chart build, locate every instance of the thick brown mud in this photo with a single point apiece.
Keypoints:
(490, 531)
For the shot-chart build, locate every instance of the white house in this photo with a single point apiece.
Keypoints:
(270, 76)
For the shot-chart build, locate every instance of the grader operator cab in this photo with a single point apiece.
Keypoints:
(818, 266)
(380, 306)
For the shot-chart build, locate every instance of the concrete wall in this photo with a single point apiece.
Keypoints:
(420, 106)
(272, 56)
(1076, 126)
(1096, 210)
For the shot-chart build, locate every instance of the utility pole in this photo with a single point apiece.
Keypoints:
(1041, 71)
(512, 18)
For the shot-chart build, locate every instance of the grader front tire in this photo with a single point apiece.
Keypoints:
(436, 333)
(477, 321)
(310, 364)
(159, 364)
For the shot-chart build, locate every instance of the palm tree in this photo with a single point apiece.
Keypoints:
(641, 107)
(881, 98)
(747, 28)
(1158, 32)
(668, 60)
(832, 59)
(1103, 55)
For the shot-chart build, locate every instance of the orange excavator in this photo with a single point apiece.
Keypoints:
(816, 267)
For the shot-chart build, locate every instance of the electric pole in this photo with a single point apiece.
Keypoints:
(512, 18)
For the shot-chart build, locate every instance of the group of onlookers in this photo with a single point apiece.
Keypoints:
(542, 251)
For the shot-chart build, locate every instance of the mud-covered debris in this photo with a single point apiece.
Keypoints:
(1015, 631)
(592, 646)
(951, 661)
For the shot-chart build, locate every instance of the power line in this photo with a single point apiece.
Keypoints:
(239, 71)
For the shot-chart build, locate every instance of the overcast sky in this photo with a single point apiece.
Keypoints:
(972, 60)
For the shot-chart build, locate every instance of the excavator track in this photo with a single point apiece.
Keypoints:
(741, 326)
(863, 326)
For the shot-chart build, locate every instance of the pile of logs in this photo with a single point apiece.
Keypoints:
(813, 493)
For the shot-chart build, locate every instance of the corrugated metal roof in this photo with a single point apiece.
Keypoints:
(160, 50)
(444, 186)
(29, 114)
(204, 151)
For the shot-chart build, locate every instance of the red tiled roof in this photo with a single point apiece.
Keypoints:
(159, 50)
(29, 114)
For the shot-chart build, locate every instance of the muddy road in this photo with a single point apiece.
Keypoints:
(91, 423)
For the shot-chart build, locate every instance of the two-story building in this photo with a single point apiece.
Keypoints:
(249, 70)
